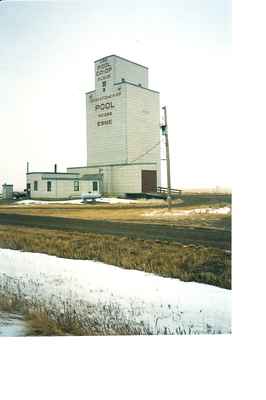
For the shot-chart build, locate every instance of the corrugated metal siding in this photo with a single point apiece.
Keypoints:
(143, 124)
(106, 144)
(130, 72)
(120, 179)
(134, 131)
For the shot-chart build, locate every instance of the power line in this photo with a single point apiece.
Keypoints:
(146, 152)
(142, 155)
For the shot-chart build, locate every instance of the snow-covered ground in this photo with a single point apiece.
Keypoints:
(11, 325)
(178, 213)
(164, 305)
(110, 200)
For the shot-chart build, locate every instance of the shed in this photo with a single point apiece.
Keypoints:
(7, 191)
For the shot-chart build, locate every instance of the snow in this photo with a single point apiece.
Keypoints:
(114, 200)
(11, 325)
(110, 200)
(39, 202)
(162, 304)
(176, 213)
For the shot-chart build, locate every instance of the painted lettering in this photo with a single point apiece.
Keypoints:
(104, 115)
(104, 123)
(104, 106)
(103, 71)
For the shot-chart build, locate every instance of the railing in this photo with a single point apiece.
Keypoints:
(161, 189)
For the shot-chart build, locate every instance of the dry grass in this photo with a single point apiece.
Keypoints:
(65, 316)
(99, 320)
(132, 212)
(61, 314)
(188, 263)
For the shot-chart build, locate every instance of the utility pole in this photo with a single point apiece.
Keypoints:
(165, 133)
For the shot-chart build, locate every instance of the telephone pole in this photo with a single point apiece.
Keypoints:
(165, 133)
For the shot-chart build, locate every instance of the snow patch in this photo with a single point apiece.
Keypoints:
(110, 200)
(195, 211)
(163, 304)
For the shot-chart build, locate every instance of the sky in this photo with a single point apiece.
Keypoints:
(47, 54)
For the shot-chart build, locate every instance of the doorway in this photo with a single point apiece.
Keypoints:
(148, 181)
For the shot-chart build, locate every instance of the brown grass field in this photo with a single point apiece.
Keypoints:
(188, 263)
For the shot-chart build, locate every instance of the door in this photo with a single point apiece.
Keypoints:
(95, 186)
(28, 190)
(148, 181)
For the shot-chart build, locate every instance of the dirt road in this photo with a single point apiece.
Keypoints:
(186, 235)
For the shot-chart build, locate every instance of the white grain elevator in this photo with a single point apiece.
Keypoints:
(123, 128)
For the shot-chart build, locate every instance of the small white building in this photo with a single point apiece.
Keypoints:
(61, 186)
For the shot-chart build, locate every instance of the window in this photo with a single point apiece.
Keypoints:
(95, 186)
(76, 186)
(49, 186)
(35, 185)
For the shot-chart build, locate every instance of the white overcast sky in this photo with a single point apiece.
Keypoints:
(47, 54)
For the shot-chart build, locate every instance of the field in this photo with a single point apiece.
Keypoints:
(207, 264)
(194, 262)
(145, 211)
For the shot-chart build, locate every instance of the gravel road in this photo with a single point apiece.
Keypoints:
(186, 235)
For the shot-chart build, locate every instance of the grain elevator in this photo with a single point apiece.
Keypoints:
(123, 128)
